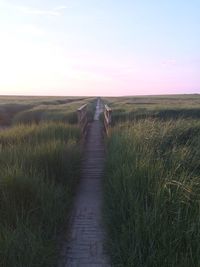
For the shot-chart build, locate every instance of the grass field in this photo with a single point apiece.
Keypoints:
(152, 182)
(39, 169)
(151, 185)
(160, 107)
(14, 110)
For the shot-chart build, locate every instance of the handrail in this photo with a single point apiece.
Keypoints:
(82, 118)
(82, 107)
(107, 118)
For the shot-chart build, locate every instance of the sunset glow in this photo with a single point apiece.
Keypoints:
(99, 47)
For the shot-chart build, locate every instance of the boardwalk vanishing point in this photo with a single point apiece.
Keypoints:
(84, 246)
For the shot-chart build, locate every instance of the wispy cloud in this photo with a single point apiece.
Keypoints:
(30, 10)
(57, 11)
(59, 8)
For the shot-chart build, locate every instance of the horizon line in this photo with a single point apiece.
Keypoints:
(136, 95)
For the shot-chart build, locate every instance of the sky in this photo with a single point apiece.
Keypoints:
(99, 47)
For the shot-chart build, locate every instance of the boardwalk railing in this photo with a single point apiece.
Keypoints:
(107, 117)
(82, 118)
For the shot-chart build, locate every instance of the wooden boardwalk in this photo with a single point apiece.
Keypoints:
(84, 246)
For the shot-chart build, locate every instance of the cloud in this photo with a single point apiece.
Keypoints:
(60, 8)
(40, 12)
(29, 10)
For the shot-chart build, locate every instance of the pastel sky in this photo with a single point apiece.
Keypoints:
(99, 47)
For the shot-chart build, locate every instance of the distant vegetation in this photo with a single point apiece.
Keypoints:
(40, 156)
(29, 110)
(154, 107)
(152, 183)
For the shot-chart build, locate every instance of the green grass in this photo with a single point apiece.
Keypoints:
(159, 107)
(39, 168)
(152, 181)
(40, 156)
(152, 193)
(42, 113)
(27, 110)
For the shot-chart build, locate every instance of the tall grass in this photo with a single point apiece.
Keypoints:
(166, 107)
(39, 167)
(122, 115)
(46, 113)
(152, 193)
(27, 110)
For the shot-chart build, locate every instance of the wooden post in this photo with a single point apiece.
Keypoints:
(107, 118)
(82, 118)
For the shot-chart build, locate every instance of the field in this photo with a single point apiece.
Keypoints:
(152, 181)
(15, 109)
(40, 154)
(160, 107)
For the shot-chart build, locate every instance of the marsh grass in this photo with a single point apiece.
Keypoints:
(166, 107)
(152, 193)
(9, 110)
(27, 110)
(45, 113)
(120, 115)
(39, 168)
